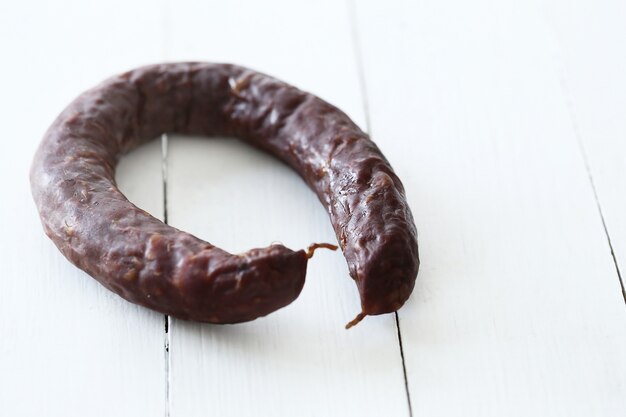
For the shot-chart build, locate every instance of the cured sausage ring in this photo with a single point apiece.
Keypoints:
(155, 265)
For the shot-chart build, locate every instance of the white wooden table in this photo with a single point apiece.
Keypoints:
(506, 120)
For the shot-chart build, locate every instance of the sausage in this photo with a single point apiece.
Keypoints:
(157, 266)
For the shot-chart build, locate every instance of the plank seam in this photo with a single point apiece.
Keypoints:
(581, 147)
(358, 56)
(406, 379)
(166, 29)
(166, 335)
(356, 44)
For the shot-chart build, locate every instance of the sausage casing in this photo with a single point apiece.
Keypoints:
(171, 271)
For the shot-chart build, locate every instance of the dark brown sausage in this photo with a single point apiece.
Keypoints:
(152, 264)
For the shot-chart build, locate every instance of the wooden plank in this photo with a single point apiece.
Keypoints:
(70, 347)
(300, 360)
(590, 40)
(518, 310)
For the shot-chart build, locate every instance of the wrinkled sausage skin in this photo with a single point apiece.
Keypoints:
(171, 271)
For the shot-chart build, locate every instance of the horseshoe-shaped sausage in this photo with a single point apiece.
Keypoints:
(152, 264)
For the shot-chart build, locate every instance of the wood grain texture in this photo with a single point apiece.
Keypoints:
(505, 121)
(518, 310)
(69, 346)
(299, 360)
(589, 43)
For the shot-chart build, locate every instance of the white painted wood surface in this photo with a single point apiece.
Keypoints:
(70, 347)
(299, 361)
(518, 310)
(590, 41)
(505, 120)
